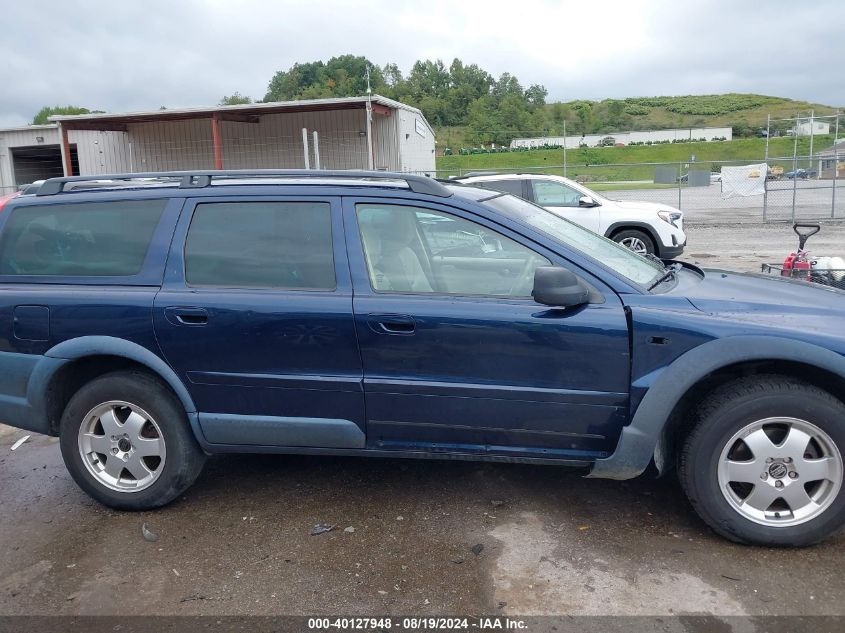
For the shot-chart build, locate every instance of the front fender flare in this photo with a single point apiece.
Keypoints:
(640, 442)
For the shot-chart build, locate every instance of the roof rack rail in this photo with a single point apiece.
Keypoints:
(198, 179)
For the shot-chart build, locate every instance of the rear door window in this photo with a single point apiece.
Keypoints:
(91, 239)
(285, 245)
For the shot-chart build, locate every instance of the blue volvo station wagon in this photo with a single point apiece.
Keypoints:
(149, 320)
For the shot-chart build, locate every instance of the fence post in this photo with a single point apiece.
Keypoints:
(316, 149)
(766, 193)
(835, 175)
(794, 173)
(835, 166)
(680, 173)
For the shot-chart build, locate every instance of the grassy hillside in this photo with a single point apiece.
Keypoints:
(616, 163)
(745, 112)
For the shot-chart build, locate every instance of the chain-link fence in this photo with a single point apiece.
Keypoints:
(793, 188)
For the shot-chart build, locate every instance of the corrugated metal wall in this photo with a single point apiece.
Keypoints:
(21, 138)
(98, 152)
(386, 141)
(101, 152)
(416, 143)
(275, 142)
(171, 146)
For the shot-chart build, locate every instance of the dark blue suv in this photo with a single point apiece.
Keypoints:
(149, 320)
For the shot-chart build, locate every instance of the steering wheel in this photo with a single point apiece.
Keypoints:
(525, 279)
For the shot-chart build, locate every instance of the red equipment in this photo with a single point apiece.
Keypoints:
(798, 264)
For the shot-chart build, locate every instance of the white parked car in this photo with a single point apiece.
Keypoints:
(644, 227)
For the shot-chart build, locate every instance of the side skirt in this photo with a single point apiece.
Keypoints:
(367, 452)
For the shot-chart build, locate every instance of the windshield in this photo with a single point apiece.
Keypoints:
(616, 257)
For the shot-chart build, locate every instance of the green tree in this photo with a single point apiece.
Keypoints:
(536, 95)
(460, 94)
(236, 98)
(44, 113)
(584, 112)
(392, 75)
(343, 76)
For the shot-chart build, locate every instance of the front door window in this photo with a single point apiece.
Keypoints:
(416, 250)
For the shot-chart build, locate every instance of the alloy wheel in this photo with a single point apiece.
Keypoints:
(122, 446)
(780, 471)
(635, 244)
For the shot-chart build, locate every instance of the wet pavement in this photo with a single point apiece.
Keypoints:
(409, 537)
(239, 542)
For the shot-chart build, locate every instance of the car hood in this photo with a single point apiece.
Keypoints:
(770, 299)
(632, 205)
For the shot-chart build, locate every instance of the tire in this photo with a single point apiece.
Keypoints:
(131, 415)
(636, 240)
(737, 458)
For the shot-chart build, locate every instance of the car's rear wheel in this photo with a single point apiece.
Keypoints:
(126, 441)
(764, 462)
(638, 241)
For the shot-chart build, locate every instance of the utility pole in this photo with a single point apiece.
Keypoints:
(812, 116)
(795, 165)
(370, 161)
(768, 132)
(564, 146)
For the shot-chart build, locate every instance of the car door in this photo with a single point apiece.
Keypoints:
(255, 315)
(458, 357)
(564, 201)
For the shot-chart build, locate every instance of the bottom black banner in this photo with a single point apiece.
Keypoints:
(530, 624)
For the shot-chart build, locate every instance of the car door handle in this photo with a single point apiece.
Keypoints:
(391, 323)
(186, 316)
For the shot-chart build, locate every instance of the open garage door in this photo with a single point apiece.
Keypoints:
(39, 162)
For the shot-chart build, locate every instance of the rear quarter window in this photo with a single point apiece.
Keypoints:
(92, 239)
(513, 187)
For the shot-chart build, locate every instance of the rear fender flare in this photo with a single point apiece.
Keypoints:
(85, 346)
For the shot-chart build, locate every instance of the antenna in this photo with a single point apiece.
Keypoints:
(370, 155)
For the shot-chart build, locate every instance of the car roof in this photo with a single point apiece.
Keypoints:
(200, 179)
(505, 176)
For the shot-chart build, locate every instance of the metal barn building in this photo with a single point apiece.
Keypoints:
(345, 133)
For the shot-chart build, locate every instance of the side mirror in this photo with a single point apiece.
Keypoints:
(558, 287)
(587, 201)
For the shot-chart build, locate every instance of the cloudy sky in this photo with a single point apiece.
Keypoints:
(130, 55)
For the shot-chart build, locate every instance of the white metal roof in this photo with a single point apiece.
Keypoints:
(29, 128)
(252, 108)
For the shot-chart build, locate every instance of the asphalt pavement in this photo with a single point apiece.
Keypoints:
(407, 536)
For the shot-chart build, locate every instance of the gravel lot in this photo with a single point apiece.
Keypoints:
(813, 199)
(744, 247)
(552, 542)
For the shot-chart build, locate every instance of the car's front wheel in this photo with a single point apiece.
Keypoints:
(126, 442)
(763, 463)
(638, 241)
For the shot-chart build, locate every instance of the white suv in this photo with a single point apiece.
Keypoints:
(644, 227)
